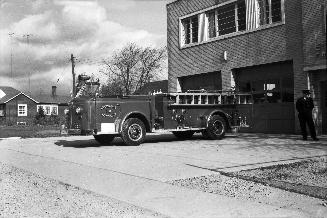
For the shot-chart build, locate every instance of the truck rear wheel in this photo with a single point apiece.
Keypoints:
(183, 134)
(216, 127)
(104, 139)
(133, 132)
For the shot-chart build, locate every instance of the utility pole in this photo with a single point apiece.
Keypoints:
(72, 59)
(29, 73)
(11, 55)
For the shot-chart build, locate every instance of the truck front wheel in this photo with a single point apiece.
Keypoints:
(133, 132)
(216, 127)
(183, 134)
(104, 139)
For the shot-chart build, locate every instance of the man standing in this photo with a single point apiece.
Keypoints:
(304, 106)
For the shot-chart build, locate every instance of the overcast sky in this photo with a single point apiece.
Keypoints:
(46, 32)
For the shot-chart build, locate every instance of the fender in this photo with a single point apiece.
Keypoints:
(128, 115)
(226, 116)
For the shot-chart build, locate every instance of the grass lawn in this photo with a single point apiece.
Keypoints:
(29, 131)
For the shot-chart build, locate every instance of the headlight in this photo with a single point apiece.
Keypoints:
(66, 111)
(78, 110)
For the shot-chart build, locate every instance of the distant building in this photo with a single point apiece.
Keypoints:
(53, 103)
(268, 48)
(18, 108)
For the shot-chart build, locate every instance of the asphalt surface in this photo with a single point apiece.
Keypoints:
(138, 175)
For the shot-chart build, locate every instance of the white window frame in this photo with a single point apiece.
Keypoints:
(219, 37)
(54, 106)
(48, 105)
(22, 113)
(183, 31)
(45, 110)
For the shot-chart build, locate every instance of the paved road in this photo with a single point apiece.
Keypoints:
(137, 175)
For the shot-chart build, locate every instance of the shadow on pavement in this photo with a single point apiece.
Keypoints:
(253, 141)
(118, 141)
(78, 143)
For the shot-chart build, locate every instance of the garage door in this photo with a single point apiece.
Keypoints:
(207, 81)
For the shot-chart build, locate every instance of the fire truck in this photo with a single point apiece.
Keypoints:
(132, 117)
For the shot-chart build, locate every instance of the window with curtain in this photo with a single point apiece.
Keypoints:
(190, 29)
(54, 110)
(240, 15)
(262, 12)
(48, 109)
(212, 25)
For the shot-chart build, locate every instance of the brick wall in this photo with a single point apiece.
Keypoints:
(276, 44)
(279, 43)
(314, 48)
(314, 34)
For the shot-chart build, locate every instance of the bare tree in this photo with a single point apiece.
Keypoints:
(132, 67)
(150, 61)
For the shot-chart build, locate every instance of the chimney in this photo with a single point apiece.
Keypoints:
(54, 88)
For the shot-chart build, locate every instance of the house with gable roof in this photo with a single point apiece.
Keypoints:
(17, 107)
(52, 104)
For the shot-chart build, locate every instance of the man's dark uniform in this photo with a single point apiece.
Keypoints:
(304, 106)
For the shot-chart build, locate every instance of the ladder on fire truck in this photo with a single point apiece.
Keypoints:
(211, 98)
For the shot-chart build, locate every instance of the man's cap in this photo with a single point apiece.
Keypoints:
(306, 91)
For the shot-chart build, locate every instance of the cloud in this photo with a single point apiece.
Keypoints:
(55, 30)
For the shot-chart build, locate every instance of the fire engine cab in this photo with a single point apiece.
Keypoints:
(132, 117)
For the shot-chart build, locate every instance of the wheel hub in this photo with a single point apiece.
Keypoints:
(218, 127)
(135, 132)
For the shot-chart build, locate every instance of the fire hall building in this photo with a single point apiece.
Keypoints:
(270, 48)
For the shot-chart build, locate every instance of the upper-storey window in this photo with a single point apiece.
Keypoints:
(212, 24)
(239, 15)
(190, 30)
(226, 19)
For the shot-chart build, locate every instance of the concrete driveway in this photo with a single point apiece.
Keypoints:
(137, 175)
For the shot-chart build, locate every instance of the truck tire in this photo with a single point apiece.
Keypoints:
(133, 132)
(104, 139)
(183, 134)
(216, 127)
